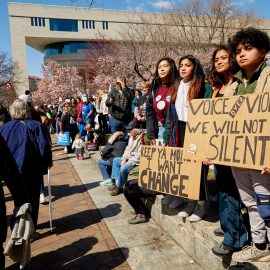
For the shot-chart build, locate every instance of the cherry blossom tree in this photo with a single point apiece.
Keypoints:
(195, 27)
(58, 81)
(8, 72)
(118, 60)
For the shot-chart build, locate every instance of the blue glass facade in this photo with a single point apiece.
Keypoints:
(64, 25)
(69, 47)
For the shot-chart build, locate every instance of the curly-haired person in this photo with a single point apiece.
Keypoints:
(249, 47)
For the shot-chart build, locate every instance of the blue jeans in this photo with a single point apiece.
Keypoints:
(42, 188)
(231, 219)
(161, 130)
(120, 173)
(116, 125)
(105, 166)
(57, 128)
(89, 120)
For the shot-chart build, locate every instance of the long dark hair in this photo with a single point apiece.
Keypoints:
(217, 79)
(174, 74)
(196, 81)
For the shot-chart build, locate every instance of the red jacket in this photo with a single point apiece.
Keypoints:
(79, 109)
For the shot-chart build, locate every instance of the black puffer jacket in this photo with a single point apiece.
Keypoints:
(121, 107)
(111, 151)
(151, 119)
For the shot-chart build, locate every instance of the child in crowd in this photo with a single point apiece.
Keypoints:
(91, 135)
(249, 48)
(79, 146)
(81, 127)
(91, 138)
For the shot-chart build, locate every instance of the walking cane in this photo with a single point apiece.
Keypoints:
(50, 199)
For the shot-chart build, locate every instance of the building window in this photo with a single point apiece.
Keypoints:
(93, 25)
(69, 47)
(88, 24)
(105, 25)
(64, 25)
(38, 22)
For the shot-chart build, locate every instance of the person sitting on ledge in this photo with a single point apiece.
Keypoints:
(130, 159)
(115, 147)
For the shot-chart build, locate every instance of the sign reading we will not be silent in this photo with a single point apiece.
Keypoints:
(233, 131)
(163, 169)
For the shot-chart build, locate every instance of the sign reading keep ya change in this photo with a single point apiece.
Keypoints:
(163, 169)
(233, 131)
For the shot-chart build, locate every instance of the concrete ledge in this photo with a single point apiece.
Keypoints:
(197, 239)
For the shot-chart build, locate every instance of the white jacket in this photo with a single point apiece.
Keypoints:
(18, 247)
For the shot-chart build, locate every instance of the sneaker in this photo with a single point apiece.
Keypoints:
(116, 191)
(252, 254)
(188, 210)
(167, 199)
(140, 218)
(219, 232)
(198, 214)
(42, 199)
(176, 202)
(222, 249)
(107, 182)
(112, 187)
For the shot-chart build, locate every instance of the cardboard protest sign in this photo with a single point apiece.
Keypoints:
(233, 131)
(163, 169)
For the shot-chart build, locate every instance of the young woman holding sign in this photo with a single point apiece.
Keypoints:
(231, 219)
(160, 98)
(157, 106)
(249, 47)
(191, 85)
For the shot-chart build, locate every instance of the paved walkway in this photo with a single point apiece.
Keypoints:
(147, 246)
(80, 239)
(91, 229)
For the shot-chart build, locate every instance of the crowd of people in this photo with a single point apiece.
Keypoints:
(238, 68)
(155, 113)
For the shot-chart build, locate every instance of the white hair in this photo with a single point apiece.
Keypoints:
(20, 110)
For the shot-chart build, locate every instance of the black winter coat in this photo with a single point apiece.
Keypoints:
(9, 173)
(151, 119)
(111, 151)
(121, 107)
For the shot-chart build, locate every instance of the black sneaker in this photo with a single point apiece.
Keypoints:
(112, 188)
(218, 232)
(116, 191)
(222, 249)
